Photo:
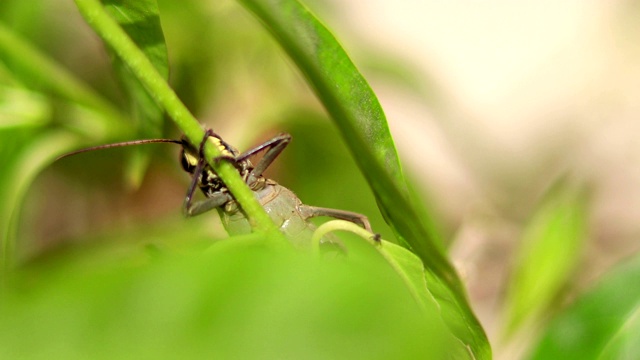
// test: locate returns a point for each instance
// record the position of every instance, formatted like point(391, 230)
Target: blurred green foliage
point(55, 109)
point(549, 251)
point(95, 268)
point(601, 324)
point(238, 300)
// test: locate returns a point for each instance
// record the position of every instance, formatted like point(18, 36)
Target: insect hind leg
point(314, 211)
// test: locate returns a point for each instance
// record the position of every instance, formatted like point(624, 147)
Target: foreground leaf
point(409, 268)
point(240, 300)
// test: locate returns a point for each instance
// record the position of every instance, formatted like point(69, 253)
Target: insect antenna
point(124, 143)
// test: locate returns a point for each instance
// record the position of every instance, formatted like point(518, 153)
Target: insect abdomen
point(282, 205)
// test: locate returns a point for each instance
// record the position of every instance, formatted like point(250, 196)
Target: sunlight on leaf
point(21, 107)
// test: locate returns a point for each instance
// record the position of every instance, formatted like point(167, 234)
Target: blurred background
point(509, 97)
point(497, 108)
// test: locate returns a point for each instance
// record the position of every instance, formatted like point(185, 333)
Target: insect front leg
point(216, 200)
point(314, 211)
point(212, 201)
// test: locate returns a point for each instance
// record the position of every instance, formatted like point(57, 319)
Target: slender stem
point(96, 16)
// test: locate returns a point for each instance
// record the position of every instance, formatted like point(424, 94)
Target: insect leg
point(218, 199)
point(313, 211)
point(274, 146)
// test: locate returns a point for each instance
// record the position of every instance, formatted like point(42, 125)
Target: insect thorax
point(209, 181)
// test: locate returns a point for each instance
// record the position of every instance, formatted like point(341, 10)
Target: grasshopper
point(282, 205)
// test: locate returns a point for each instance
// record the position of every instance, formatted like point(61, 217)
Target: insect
point(282, 205)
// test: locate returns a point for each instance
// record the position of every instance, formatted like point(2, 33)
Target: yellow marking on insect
point(191, 160)
point(218, 143)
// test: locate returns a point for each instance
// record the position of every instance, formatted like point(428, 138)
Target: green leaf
point(354, 107)
point(336, 81)
point(411, 270)
point(24, 17)
point(20, 107)
point(39, 72)
point(550, 249)
point(625, 344)
point(240, 300)
point(141, 21)
point(603, 323)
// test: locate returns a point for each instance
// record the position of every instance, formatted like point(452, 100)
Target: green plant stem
point(96, 16)
point(339, 225)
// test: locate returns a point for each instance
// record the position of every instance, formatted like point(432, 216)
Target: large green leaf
point(356, 110)
point(601, 324)
point(239, 300)
point(335, 80)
